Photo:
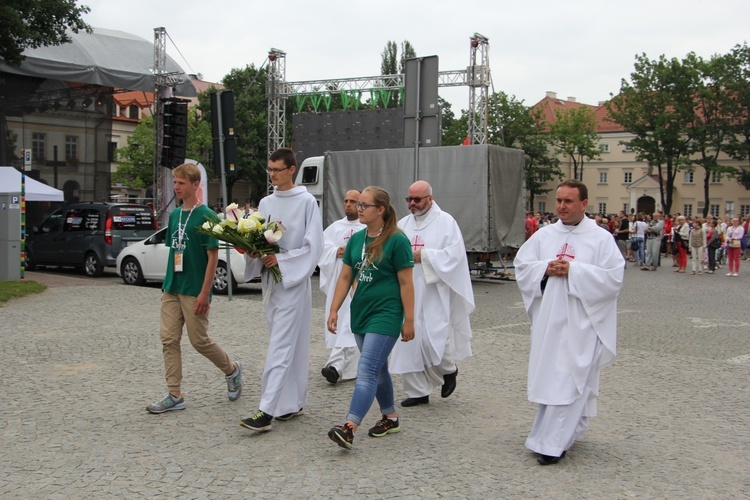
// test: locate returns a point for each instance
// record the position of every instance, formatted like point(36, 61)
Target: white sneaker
point(735, 274)
point(729, 274)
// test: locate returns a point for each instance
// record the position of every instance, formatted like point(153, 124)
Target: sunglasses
point(415, 199)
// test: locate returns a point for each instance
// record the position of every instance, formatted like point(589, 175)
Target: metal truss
point(276, 91)
point(479, 83)
point(476, 77)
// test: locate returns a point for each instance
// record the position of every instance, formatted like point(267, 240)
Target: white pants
point(420, 384)
point(345, 360)
point(696, 255)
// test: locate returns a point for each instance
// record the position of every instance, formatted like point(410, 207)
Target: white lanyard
point(181, 229)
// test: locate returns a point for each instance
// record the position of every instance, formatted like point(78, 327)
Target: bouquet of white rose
point(249, 232)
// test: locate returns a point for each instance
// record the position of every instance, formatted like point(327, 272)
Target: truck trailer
point(481, 186)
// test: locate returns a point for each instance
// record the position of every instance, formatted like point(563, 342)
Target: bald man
point(342, 363)
point(443, 300)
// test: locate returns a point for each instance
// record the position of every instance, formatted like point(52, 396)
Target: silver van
point(88, 236)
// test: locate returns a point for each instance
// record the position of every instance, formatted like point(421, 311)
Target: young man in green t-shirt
point(186, 296)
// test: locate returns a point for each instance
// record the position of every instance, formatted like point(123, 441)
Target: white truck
point(481, 186)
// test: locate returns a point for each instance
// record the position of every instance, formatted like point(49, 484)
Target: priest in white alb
point(342, 363)
point(443, 301)
point(288, 304)
point(570, 274)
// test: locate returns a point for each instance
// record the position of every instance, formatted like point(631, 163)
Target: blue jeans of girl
point(373, 379)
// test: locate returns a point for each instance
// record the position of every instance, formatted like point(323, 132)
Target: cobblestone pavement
point(79, 364)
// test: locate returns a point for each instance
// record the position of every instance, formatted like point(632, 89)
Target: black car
point(88, 236)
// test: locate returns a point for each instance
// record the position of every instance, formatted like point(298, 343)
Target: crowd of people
point(702, 244)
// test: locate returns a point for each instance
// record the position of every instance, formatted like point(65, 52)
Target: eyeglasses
point(276, 170)
point(365, 206)
point(415, 199)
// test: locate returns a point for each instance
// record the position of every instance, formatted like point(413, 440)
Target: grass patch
point(15, 289)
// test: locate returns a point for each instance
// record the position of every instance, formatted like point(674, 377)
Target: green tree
point(573, 135)
point(389, 59)
point(737, 85)
point(713, 129)
point(393, 64)
point(512, 124)
point(136, 168)
point(656, 106)
point(37, 23)
point(250, 125)
point(407, 52)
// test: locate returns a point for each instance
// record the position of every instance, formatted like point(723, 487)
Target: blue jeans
point(373, 378)
point(640, 254)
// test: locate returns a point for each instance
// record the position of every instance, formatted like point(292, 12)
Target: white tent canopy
point(10, 182)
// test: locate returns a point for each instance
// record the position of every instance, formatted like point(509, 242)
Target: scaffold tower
point(478, 75)
point(164, 83)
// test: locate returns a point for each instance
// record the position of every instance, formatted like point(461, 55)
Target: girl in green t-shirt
point(377, 271)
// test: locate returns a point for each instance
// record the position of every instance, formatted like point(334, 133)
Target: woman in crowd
point(680, 238)
point(668, 247)
point(735, 233)
point(377, 272)
point(697, 240)
point(713, 242)
point(639, 237)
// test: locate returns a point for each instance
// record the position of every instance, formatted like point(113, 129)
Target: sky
point(579, 48)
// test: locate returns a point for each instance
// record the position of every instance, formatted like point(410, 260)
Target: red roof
point(550, 104)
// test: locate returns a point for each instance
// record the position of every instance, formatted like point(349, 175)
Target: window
point(52, 223)
point(71, 147)
point(603, 208)
point(744, 210)
point(543, 207)
point(133, 111)
point(687, 210)
point(688, 179)
point(604, 147)
point(310, 174)
point(715, 176)
point(38, 146)
point(111, 151)
point(713, 210)
point(602, 177)
point(543, 177)
point(627, 148)
point(628, 177)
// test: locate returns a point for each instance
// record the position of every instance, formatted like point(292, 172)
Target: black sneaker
point(331, 374)
point(289, 415)
point(342, 435)
point(261, 421)
point(384, 426)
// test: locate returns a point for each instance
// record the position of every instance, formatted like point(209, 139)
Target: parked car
point(88, 235)
point(147, 261)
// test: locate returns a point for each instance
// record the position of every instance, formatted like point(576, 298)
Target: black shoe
point(342, 435)
point(548, 459)
point(415, 401)
point(331, 374)
point(289, 415)
point(261, 421)
point(449, 384)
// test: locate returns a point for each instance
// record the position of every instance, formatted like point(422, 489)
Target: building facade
point(618, 181)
